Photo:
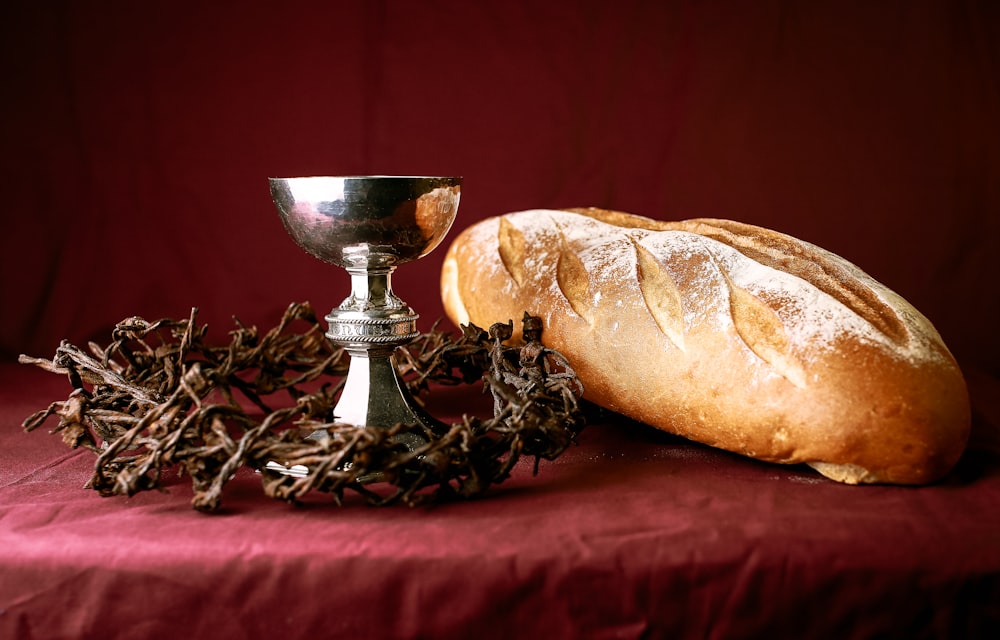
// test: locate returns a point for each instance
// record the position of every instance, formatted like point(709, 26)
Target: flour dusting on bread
point(809, 313)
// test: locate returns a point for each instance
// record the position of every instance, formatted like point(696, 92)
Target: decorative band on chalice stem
point(359, 332)
point(372, 313)
point(369, 225)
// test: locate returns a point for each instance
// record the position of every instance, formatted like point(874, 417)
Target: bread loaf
point(725, 333)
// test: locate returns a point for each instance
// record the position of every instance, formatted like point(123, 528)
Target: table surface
point(632, 533)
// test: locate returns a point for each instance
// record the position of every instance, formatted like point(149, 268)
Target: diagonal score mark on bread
point(760, 328)
point(659, 292)
point(510, 244)
point(572, 277)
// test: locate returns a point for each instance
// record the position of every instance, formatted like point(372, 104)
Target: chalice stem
point(372, 289)
point(370, 324)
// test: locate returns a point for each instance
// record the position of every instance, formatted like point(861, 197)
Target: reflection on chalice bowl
point(369, 225)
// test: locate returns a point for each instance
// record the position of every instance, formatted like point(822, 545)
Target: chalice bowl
point(369, 225)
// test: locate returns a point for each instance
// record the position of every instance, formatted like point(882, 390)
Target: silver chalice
point(369, 225)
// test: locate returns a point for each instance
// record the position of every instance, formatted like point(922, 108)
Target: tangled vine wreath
point(160, 398)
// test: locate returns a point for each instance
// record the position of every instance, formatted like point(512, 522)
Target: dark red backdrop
point(137, 140)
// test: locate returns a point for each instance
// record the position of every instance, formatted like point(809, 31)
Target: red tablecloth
point(633, 533)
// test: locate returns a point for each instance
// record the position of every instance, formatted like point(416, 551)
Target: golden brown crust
point(728, 334)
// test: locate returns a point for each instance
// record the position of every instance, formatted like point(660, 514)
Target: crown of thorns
point(160, 401)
